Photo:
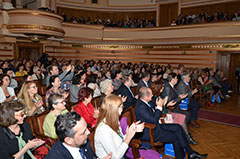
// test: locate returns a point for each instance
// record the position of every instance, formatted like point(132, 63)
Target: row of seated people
point(107, 88)
point(59, 106)
point(130, 23)
point(204, 17)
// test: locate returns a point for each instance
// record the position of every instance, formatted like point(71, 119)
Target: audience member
point(32, 101)
point(108, 135)
point(6, 93)
point(16, 139)
point(93, 84)
point(56, 104)
point(72, 132)
point(170, 133)
point(54, 88)
point(78, 82)
point(125, 91)
point(85, 108)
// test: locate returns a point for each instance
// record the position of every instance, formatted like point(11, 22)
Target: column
point(53, 5)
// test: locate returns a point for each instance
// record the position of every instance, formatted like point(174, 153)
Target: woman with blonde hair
point(109, 136)
point(29, 97)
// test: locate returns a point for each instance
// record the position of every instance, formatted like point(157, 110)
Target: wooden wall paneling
point(230, 8)
point(234, 62)
point(104, 15)
point(6, 51)
point(167, 12)
point(192, 58)
point(223, 62)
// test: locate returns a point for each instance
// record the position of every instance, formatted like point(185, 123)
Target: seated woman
point(6, 93)
point(78, 82)
point(54, 88)
point(29, 97)
point(117, 81)
point(108, 135)
point(92, 83)
point(106, 88)
point(16, 139)
point(20, 71)
point(85, 108)
point(56, 103)
point(37, 74)
point(157, 88)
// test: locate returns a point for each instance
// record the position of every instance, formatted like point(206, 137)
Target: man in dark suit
point(72, 132)
point(169, 133)
point(125, 90)
point(183, 87)
point(144, 81)
point(173, 95)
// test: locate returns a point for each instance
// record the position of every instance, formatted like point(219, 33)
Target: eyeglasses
point(34, 87)
point(21, 115)
point(62, 102)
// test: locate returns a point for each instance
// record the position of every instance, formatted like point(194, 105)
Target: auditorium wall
point(190, 58)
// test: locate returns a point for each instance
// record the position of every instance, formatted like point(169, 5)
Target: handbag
point(42, 151)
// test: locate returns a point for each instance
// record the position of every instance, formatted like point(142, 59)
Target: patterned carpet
point(221, 118)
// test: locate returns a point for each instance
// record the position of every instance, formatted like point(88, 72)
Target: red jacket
point(87, 113)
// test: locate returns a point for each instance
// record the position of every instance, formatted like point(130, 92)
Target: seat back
point(91, 139)
point(29, 120)
point(38, 122)
point(95, 101)
point(134, 90)
point(42, 90)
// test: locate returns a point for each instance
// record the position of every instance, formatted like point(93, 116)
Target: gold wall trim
point(210, 46)
point(69, 24)
point(35, 13)
point(40, 27)
point(72, 1)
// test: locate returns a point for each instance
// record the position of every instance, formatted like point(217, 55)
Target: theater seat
point(38, 122)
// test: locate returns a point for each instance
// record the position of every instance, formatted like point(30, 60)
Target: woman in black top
point(16, 140)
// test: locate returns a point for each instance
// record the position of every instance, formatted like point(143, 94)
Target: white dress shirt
point(74, 151)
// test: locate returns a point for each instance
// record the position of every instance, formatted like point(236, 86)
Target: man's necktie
point(82, 153)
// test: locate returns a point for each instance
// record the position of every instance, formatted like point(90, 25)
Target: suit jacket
point(124, 91)
point(183, 89)
point(141, 84)
point(59, 151)
point(146, 114)
point(171, 93)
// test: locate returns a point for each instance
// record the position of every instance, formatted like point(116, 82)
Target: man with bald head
point(168, 133)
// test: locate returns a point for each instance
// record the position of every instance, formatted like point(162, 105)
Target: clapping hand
point(172, 103)
point(124, 98)
point(182, 96)
point(159, 102)
point(34, 143)
point(195, 91)
point(107, 157)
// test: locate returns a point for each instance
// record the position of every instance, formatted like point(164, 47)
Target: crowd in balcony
point(158, 87)
point(130, 23)
point(204, 17)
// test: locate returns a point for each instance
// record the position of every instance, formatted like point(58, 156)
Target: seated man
point(169, 133)
point(183, 87)
point(125, 90)
point(144, 81)
point(72, 132)
point(173, 95)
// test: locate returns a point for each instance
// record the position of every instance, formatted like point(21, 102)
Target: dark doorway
point(227, 62)
point(29, 51)
point(235, 60)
